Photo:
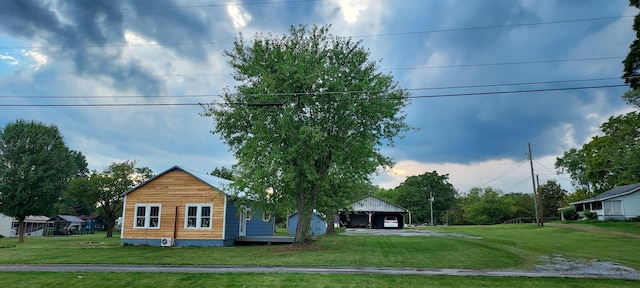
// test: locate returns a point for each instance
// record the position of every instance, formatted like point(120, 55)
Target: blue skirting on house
point(179, 242)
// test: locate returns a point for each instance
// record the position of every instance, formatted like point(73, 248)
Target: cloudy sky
point(122, 79)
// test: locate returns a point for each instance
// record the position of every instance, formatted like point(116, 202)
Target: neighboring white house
point(621, 203)
point(5, 225)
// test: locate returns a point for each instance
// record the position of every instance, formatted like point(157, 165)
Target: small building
point(6, 229)
point(64, 225)
point(318, 223)
point(34, 225)
point(183, 207)
point(619, 203)
point(370, 212)
point(92, 223)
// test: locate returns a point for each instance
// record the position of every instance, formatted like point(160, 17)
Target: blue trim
point(179, 242)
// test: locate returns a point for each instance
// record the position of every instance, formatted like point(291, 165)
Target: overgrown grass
point(96, 280)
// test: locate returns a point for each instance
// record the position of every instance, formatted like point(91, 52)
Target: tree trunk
point(304, 220)
point(21, 229)
point(331, 229)
point(109, 223)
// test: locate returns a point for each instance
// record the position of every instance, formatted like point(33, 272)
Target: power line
point(318, 93)
point(503, 175)
point(503, 63)
point(358, 36)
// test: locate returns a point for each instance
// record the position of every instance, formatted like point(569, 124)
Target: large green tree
point(487, 206)
point(613, 159)
point(105, 188)
point(551, 195)
point(631, 73)
point(414, 194)
point(309, 110)
point(35, 167)
point(573, 163)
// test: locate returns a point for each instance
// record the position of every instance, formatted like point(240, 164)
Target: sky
point(122, 79)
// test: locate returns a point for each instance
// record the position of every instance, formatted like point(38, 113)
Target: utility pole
point(533, 181)
point(540, 210)
point(431, 206)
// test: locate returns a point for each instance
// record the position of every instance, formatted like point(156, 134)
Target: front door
point(243, 222)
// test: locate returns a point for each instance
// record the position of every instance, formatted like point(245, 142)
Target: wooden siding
point(174, 190)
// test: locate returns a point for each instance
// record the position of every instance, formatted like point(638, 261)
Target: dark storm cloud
point(482, 127)
point(92, 35)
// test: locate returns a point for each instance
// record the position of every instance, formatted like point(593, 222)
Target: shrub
point(570, 214)
point(590, 215)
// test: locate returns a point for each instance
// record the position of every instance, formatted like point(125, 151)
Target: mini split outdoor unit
point(166, 242)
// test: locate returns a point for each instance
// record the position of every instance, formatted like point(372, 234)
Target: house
point(64, 225)
point(92, 223)
point(6, 228)
point(183, 207)
point(318, 223)
point(33, 226)
point(619, 203)
point(370, 212)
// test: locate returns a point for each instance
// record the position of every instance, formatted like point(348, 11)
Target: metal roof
point(68, 218)
point(217, 183)
point(374, 204)
point(613, 193)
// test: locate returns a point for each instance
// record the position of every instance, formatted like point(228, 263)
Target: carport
point(369, 212)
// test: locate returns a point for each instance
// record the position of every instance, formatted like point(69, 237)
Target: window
point(266, 217)
point(147, 216)
point(613, 208)
point(198, 216)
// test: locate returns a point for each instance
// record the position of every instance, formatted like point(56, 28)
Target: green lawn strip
point(626, 227)
point(510, 247)
point(530, 242)
point(96, 280)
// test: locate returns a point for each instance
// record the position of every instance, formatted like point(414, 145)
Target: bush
point(570, 214)
point(590, 215)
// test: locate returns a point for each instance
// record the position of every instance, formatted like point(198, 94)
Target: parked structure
point(620, 203)
point(183, 207)
point(64, 225)
point(370, 212)
point(318, 223)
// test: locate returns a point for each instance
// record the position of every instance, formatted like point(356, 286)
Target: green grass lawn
point(509, 247)
point(627, 227)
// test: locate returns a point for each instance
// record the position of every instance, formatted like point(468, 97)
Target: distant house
point(183, 207)
point(64, 225)
point(6, 229)
point(618, 203)
point(33, 226)
point(92, 223)
point(318, 223)
point(370, 212)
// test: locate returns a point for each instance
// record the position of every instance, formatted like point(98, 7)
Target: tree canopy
point(631, 63)
point(105, 188)
point(414, 194)
point(310, 111)
point(35, 167)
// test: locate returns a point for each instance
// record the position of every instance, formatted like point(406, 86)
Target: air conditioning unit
point(166, 242)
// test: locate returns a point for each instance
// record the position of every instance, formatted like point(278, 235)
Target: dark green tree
point(523, 205)
point(414, 194)
point(573, 163)
point(612, 159)
point(551, 195)
point(35, 167)
point(310, 110)
point(487, 206)
point(105, 188)
point(631, 73)
point(223, 172)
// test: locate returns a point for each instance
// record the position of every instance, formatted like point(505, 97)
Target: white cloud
point(37, 57)
point(239, 16)
point(351, 9)
point(505, 174)
point(10, 59)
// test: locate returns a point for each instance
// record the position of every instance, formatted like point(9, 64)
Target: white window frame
point(147, 216)
point(198, 216)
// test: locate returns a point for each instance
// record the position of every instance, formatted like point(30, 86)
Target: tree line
point(40, 175)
